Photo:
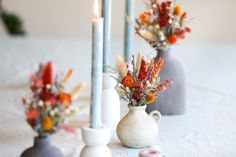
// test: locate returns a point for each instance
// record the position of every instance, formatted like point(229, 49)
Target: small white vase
point(138, 129)
point(110, 102)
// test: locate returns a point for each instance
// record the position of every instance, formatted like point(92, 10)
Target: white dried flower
point(52, 113)
point(147, 35)
point(121, 66)
point(161, 35)
point(148, 84)
point(40, 103)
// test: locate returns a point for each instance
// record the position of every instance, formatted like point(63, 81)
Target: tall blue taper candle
point(97, 57)
point(129, 29)
point(106, 14)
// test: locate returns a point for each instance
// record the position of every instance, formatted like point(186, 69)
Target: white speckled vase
point(138, 129)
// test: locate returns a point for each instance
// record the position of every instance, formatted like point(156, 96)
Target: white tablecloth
point(207, 129)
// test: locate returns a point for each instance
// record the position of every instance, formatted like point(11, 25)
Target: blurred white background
point(214, 22)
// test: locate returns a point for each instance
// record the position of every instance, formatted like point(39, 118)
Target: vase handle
point(155, 115)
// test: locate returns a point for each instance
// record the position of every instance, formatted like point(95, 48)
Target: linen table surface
point(208, 128)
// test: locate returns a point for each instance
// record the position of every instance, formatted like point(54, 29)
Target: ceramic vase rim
point(136, 107)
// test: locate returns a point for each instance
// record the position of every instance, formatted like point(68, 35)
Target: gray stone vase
point(42, 148)
point(172, 100)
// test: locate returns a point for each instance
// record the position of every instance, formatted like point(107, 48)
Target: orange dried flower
point(31, 117)
point(177, 10)
point(145, 18)
point(64, 99)
point(32, 114)
point(47, 124)
point(150, 98)
point(172, 39)
point(128, 81)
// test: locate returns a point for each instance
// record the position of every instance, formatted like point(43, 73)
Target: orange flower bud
point(47, 124)
point(183, 16)
point(187, 29)
point(150, 99)
point(64, 99)
point(177, 10)
point(172, 39)
point(145, 18)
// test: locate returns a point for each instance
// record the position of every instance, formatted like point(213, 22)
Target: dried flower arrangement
point(163, 24)
point(140, 85)
point(48, 105)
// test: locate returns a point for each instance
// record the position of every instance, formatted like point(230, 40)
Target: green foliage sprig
point(12, 22)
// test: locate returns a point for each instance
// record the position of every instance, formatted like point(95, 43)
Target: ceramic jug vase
point(138, 129)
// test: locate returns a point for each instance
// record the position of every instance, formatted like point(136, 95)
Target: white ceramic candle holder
point(110, 102)
point(96, 141)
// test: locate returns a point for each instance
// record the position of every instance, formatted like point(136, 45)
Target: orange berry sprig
point(157, 70)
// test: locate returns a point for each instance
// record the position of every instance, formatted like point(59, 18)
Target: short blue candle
point(129, 29)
